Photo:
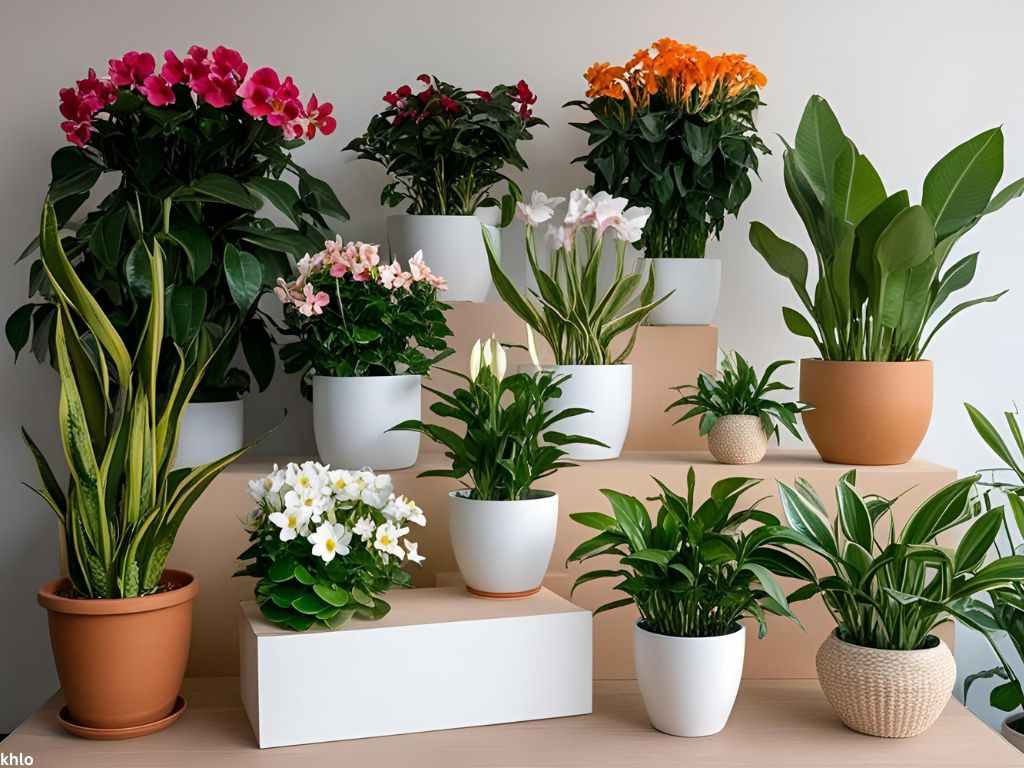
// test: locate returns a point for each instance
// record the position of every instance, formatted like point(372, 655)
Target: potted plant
point(883, 670)
point(365, 332)
point(673, 130)
point(1003, 615)
point(693, 575)
point(444, 149)
point(883, 275)
point(214, 139)
point(120, 622)
point(326, 544)
point(735, 412)
point(580, 319)
point(502, 527)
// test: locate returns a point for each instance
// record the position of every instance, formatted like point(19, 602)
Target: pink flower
point(173, 71)
point(421, 273)
point(392, 276)
point(258, 90)
point(319, 116)
point(397, 98)
point(214, 79)
point(227, 62)
point(362, 258)
point(313, 303)
point(131, 69)
point(449, 104)
point(103, 90)
point(158, 91)
point(77, 133)
point(78, 108)
point(266, 95)
point(339, 269)
point(290, 293)
point(437, 282)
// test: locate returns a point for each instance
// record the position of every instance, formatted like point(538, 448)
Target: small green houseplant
point(735, 411)
point(693, 570)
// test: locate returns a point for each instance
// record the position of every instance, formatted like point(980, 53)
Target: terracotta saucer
point(502, 595)
point(113, 734)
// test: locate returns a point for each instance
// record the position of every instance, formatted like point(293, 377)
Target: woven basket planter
point(738, 439)
point(894, 694)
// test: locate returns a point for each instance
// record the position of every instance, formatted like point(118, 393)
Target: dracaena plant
point(890, 587)
point(882, 263)
point(577, 317)
point(673, 130)
point(216, 140)
point(697, 567)
point(508, 442)
point(738, 391)
point(445, 147)
point(124, 502)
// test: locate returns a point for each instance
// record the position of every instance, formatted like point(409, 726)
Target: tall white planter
point(209, 431)
point(607, 390)
point(696, 285)
point(453, 247)
point(352, 416)
point(689, 684)
point(503, 547)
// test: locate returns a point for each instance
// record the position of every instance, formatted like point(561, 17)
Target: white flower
point(540, 209)
point(487, 354)
point(474, 360)
point(268, 484)
point(608, 211)
point(561, 236)
point(309, 477)
point(581, 209)
point(340, 481)
point(412, 552)
point(364, 528)
point(387, 539)
point(292, 522)
point(330, 539)
point(402, 508)
point(313, 504)
point(531, 345)
point(630, 226)
point(375, 490)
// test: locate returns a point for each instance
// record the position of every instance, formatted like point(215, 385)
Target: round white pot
point(689, 684)
point(352, 416)
point(696, 285)
point(738, 439)
point(607, 390)
point(208, 432)
point(503, 547)
point(1011, 734)
point(453, 247)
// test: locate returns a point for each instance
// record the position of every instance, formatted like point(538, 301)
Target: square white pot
point(440, 659)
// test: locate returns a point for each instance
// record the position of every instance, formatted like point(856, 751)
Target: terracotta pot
point(886, 693)
point(1010, 732)
point(866, 413)
point(738, 439)
point(121, 661)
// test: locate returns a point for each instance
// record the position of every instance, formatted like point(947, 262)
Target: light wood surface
point(774, 724)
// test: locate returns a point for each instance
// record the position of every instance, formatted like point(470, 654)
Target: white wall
point(908, 80)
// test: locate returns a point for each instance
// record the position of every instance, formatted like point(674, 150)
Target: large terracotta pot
point(121, 662)
point(866, 413)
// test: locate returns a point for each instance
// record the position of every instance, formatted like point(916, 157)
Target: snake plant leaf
point(959, 187)
point(49, 480)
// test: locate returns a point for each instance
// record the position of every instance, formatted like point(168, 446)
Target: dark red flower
point(449, 104)
point(484, 95)
point(425, 79)
point(131, 69)
point(319, 116)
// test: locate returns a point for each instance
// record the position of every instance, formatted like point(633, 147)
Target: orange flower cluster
point(683, 74)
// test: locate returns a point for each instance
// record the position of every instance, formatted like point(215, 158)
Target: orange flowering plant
point(673, 130)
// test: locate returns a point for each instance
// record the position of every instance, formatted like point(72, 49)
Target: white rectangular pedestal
point(440, 659)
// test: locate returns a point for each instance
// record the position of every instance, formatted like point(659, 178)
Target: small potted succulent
point(673, 130)
point(444, 149)
point(196, 145)
point(502, 527)
point(579, 319)
point(882, 278)
point(120, 621)
point(693, 575)
point(365, 332)
point(735, 412)
point(883, 670)
point(326, 544)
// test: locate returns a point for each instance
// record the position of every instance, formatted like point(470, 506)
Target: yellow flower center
point(385, 541)
point(329, 545)
point(292, 521)
point(308, 502)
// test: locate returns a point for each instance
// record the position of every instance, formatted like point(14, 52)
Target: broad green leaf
point(279, 194)
point(944, 509)
point(218, 188)
point(1006, 194)
point(334, 596)
point(631, 516)
point(185, 308)
point(195, 241)
point(958, 188)
point(783, 257)
point(19, 327)
point(977, 541)
point(853, 516)
point(768, 582)
point(596, 520)
point(956, 277)
point(819, 141)
point(244, 275)
point(105, 241)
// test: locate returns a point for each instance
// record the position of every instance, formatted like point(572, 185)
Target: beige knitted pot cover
point(738, 439)
point(886, 693)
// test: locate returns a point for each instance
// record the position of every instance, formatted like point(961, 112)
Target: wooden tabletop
point(775, 723)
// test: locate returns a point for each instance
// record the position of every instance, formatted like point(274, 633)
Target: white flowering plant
point(327, 543)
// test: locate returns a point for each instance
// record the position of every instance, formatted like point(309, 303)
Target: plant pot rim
point(877, 363)
point(1013, 718)
point(682, 258)
point(739, 629)
point(437, 216)
point(370, 378)
point(931, 649)
point(535, 495)
point(185, 589)
point(738, 416)
point(216, 402)
point(588, 366)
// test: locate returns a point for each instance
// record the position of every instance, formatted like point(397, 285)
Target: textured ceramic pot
point(866, 413)
point(209, 431)
point(121, 662)
point(503, 547)
point(607, 391)
point(453, 247)
point(894, 694)
point(689, 684)
point(352, 416)
point(695, 285)
point(738, 439)
point(1011, 734)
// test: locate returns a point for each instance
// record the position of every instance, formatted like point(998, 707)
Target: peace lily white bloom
point(540, 209)
point(474, 360)
point(364, 528)
point(292, 522)
point(487, 354)
point(387, 539)
point(330, 539)
point(412, 552)
point(531, 346)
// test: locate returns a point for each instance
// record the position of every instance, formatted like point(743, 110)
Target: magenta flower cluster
point(217, 78)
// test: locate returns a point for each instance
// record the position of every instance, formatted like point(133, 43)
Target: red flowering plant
point(445, 147)
point(199, 145)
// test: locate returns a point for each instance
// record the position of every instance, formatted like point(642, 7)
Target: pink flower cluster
point(358, 260)
point(417, 107)
point(218, 78)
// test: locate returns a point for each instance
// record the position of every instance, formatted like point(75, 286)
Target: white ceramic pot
point(696, 285)
point(453, 247)
point(209, 431)
point(689, 684)
point(607, 390)
point(738, 439)
point(503, 547)
point(1011, 734)
point(352, 416)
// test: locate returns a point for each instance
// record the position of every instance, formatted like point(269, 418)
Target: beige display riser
point(212, 537)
